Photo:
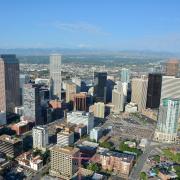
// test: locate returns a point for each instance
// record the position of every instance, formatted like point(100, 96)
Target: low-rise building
point(131, 107)
point(120, 163)
point(26, 159)
point(80, 117)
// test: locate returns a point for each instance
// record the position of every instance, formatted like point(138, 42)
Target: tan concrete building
point(63, 162)
point(99, 110)
point(80, 101)
point(119, 163)
point(139, 92)
point(9, 83)
point(71, 90)
point(172, 67)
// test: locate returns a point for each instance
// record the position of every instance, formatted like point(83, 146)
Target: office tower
point(2, 118)
point(99, 110)
point(118, 98)
point(23, 79)
point(55, 75)
point(80, 117)
point(80, 102)
point(139, 92)
point(71, 89)
point(170, 87)
point(32, 103)
point(96, 133)
point(65, 138)
point(172, 68)
point(125, 75)
point(77, 81)
point(109, 86)
point(154, 90)
point(100, 88)
point(10, 146)
point(167, 125)
point(9, 83)
point(64, 162)
point(40, 137)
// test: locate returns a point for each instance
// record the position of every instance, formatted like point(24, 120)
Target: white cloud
point(80, 27)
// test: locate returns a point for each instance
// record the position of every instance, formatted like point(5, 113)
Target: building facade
point(125, 75)
point(118, 98)
point(65, 138)
point(32, 103)
point(63, 162)
point(139, 92)
point(100, 79)
point(10, 146)
point(9, 83)
point(167, 125)
point(99, 110)
point(170, 87)
point(172, 67)
point(55, 75)
point(40, 137)
point(154, 91)
point(80, 117)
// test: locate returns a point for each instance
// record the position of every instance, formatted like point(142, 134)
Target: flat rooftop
point(66, 150)
point(9, 139)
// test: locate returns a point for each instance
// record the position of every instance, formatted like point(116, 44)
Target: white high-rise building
point(55, 75)
point(170, 87)
point(167, 126)
point(118, 97)
point(139, 92)
point(40, 137)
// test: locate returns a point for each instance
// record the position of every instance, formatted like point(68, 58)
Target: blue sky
point(99, 24)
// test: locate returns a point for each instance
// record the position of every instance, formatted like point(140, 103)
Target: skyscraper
point(80, 101)
point(100, 88)
point(32, 103)
point(172, 67)
point(118, 98)
point(139, 92)
point(154, 90)
point(55, 75)
point(170, 87)
point(9, 83)
point(125, 75)
point(167, 125)
point(40, 137)
point(64, 163)
point(99, 110)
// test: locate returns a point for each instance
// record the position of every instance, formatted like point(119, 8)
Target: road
point(140, 162)
point(142, 159)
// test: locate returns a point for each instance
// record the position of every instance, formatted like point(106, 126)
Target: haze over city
point(90, 90)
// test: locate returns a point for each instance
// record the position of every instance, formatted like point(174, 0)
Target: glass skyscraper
point(167, 125)
point(125, 75)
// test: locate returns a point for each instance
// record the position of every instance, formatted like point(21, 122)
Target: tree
point(94, 167)
point(106, 144)
point(143, 176)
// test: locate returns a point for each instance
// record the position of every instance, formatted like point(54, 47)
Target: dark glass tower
point(100, 79)
point(154, 90)
point(9, 83)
